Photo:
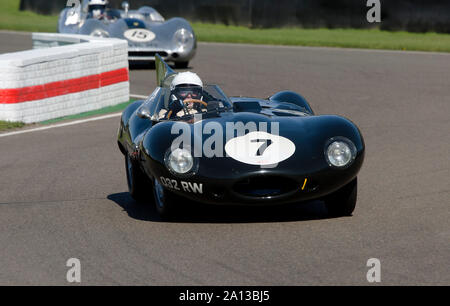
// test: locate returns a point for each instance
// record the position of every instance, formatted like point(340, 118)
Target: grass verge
point(5, 125)
point(344, 38)
point(103, 111)
point(13, 19)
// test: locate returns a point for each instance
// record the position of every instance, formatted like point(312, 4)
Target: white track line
point(60, 125)
point(69, 123)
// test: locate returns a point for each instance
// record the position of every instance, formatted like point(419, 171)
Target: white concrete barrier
point(64, 75)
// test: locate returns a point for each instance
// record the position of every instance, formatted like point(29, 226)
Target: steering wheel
point(190, 100)
point(195, 101)
point(186, 101)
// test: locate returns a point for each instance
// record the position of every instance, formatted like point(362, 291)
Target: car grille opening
point(147, 53)
point(265, 186)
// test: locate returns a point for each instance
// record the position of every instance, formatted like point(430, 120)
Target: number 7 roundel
point(260, 148)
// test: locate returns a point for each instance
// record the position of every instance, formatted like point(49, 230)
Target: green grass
point(13, 19)
point(4, 125)
point(345, 38)
point(105, 110)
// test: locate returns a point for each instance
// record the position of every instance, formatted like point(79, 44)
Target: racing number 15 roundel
point(139, 35)
point(260, 148)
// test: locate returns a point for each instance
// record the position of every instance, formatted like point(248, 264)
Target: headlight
point(340, 152)
point(179, 161)
point(184, 39)
point(99, 33)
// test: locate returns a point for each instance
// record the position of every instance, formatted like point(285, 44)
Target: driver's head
point(97, 8)
point(187, 85)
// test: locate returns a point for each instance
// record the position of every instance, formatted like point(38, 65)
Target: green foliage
point(4, 125)
point(11, 18)
point(344, 38)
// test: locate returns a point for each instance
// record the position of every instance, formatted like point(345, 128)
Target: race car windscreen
point(215, 93)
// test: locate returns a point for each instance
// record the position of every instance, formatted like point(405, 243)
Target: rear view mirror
point(144, 113)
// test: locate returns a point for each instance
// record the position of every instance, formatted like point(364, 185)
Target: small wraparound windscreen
point(158, 102)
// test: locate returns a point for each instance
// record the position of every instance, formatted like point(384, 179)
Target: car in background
point(146, 31)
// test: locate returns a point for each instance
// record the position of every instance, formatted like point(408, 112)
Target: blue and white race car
point(145, 30)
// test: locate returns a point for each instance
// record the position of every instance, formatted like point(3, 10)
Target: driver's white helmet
point(97, 7)
point(98, 2)
point(186, 78)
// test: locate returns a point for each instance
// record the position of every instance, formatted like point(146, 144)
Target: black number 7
point(265, 144)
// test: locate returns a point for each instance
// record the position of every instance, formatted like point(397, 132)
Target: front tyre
point(165, 201)
point(138, 184)
point(342, 202)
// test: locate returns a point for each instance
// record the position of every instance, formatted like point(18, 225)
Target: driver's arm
point(175, 105)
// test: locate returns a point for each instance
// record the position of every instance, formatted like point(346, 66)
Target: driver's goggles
point(193, 93)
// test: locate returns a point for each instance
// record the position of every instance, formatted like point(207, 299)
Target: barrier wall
point(63, 75)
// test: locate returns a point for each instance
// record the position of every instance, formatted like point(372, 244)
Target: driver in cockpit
point(186, 95)
point(97, 9)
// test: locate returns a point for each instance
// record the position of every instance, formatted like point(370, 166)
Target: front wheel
point(139, 185)
point(343, 202)
point(165, 201)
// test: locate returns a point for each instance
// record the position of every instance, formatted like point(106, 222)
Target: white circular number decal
point(260, 148)
point(139, 35)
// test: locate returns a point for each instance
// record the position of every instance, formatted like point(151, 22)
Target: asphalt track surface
point(63, 192)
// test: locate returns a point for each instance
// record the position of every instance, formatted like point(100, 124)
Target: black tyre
point(139, 185)
point(165, 201)
point(342, 202)
point(181, 65)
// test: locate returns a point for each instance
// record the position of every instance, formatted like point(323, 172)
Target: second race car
point(145, 30)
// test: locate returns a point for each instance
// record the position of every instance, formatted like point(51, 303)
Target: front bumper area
point(257, 190)
point(148, 54)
